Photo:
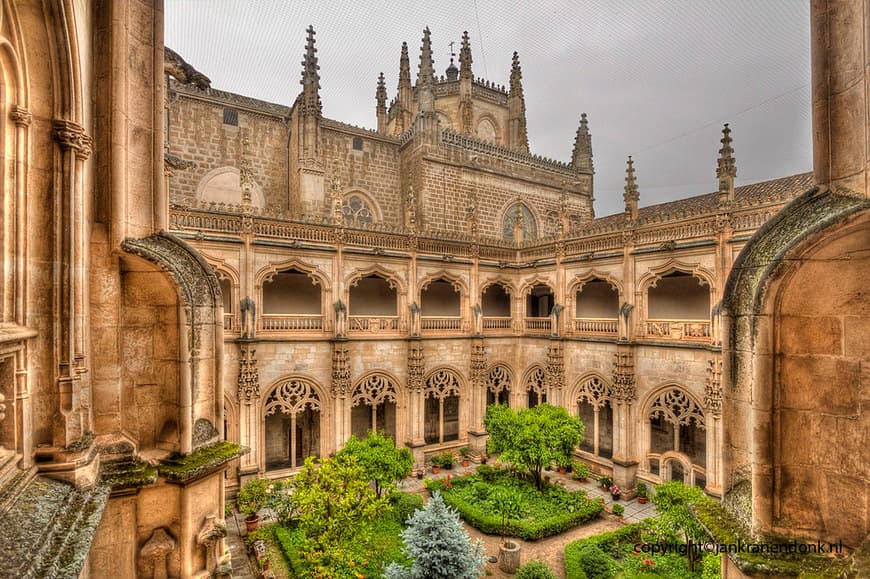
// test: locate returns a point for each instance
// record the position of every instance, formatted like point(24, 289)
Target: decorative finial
point(310, 75)
point(404, 67)
point(631, 196)
point(516, 75)
point(465, 57)
point(452, 71)
point(381, 92)
point(582, 155)
point(727, 165)
point(426, 70)
point(246, 175)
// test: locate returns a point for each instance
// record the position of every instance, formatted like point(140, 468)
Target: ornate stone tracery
point(536, 381)
point(249, 375)
point(292, 397)
point(499, 379)
point(675, 406)
point(374, 390)
point(441, 384)
point(713, 388)
point(594, 391)
point(623, 377)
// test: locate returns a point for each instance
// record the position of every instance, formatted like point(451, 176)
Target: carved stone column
point(713, 405)
point(209, 538)
point(415, 399)
point(249, 408)
point(555, 373)
point(476, 432)
point(341, 391)
point(624, 394)
point(155, 553)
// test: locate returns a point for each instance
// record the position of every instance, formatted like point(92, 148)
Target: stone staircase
point(46, 526)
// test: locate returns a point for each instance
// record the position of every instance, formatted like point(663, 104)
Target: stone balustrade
point(595, 326)
point(688, 330)
point(291, 323)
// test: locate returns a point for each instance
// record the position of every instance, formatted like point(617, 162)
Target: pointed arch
point(674, 403)
point(443, 392)
point(359, 207)
point(529, 285)
point(581, 279)
point(295, 421)
point(391, 277)
point(267, 273)
point(456, 281)
point(530, 220)
point(696, 270)
point(534, 385)
point(499, 383)
point(591, 399)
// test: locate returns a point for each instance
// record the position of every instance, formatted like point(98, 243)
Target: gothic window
point(291, 292)
point(596, 411)
point(518, 216)
point(373, 405)
point(356, 211)
point(677, 424)
point(496, 301)
point(597, 299)
point(536, 387)
point(679, 296)
point(486, 130)
point(498, 386)
point(540, 301)
point(440, 298)
point(292, 414)
point(442, 407)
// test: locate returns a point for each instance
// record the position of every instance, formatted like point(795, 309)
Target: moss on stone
point(82, 444)
point(130, 473)
point(725, 530)
point(182, 468)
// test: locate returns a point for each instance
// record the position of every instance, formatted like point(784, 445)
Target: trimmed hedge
point(530, 530)
point(534, 570)
point(607, 542)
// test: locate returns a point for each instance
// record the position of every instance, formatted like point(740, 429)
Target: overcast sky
point(657, 78)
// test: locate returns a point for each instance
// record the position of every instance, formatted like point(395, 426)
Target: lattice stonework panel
point(676, 407)
point(292, 397)
point(594, 391)
point(537, 381)
point(499, 379)
point(441, 384)
point(374, 390)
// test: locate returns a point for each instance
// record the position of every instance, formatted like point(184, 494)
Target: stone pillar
point(341, 391)
point(841, 81)
point(555, 373)
point(249, 408)
point(714, 442)
point(624, 394)
point(156, 552)
point(416, 406)
point(476, 432)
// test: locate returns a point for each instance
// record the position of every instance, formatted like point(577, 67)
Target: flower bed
point(544, 513)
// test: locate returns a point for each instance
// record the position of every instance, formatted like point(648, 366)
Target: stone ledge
point(183, 469)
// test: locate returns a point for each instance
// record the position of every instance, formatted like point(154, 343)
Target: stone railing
point(230, 323)
point(499, 152)
point(595, 326)
point(688, 330)
point(441, 323)
point(373, 324)
point(497, 324)
point(291, 323)
point(537, 325)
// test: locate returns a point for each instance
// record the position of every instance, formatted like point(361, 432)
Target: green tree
point(334, 501)
point(438, 546)
point(533, 438)
point(673, 501)
point(383, 463)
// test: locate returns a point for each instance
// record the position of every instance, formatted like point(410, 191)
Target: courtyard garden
point(345, 517)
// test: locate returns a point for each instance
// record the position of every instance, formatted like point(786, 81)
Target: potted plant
point(564, 463)
point(642, 492)
point(252, 497)
point(581, 471)
point(605, 481)
point(447, 460)
point(484, 458)
point(615, 492)
point(464, 451)
point(617, 510)
point(437, 461)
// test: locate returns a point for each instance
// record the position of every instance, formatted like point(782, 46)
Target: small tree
point(532, 438)
point(673, 501)
point(252, 497)
point(508, 503)
point(438, 546)
point(382, 462)
point(334, 500)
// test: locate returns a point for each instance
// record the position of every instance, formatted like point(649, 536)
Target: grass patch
point(550, 511)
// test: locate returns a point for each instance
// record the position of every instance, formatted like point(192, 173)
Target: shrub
point(618, 510)
point(404, 505)
point(381, 460)
point(595, 563)
point(605, 481)
point(281, 501)
point(488, 473)
point(581, 470)
point(534, 570)
point(712, 567)
point(642, 490)
point(252, 497)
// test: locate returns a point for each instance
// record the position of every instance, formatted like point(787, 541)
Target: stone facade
point(400, 329)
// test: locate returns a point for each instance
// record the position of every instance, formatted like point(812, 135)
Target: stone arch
point(317, 276)
point(490, 126)
point(674, 421)
point(530, 217)
point(456, 281)
point(591, 400)
point(499, 383)
point(392, 278)
point(536, 281)
point(444, 392)
point(508, 285)
point(380, 392)
point(534, 386)
point(654, 274)
point(304, 403)
point(198, 290)
point(793, 304)
point(582, 279)
point(223, 185)
point(351, 212)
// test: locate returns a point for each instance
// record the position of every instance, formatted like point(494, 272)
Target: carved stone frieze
point(713, 388)
point(555, 366)
point(340, 369)
point(249, 375)
point(415, 365)
point(21, 116)
point(72, 136)
point(624, 388)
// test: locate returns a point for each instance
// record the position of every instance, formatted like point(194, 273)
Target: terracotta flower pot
point(251, 523)
point(436, 469)
point(642, 500)
point(465, 462)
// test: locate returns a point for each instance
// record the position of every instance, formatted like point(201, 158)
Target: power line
point(480, 40)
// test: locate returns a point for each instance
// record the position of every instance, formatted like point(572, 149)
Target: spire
point(381, 108)
point(310, 77)
point(426, 70)
point(582, 156)
point(631, 195)
point(726, 170)
point(404, 68)
point(426, 75)
point(517, 136)
point(465, 57)
point(246, 175)
point(516, 76)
